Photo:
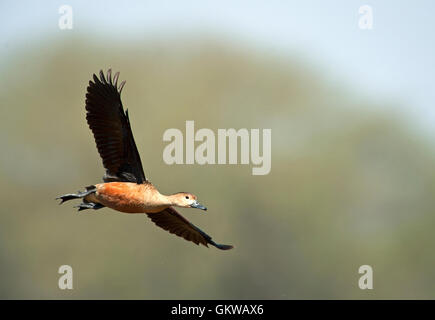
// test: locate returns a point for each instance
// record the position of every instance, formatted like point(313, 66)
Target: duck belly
point(127, 197)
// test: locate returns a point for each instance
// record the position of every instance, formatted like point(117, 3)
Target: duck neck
point(157, 197)
point(170, 199)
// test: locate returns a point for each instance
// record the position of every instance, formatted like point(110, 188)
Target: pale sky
point(396, 59)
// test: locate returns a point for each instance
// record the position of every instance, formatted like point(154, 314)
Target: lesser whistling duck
point(125, 187)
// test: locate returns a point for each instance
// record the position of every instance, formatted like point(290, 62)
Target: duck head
point(186, 200)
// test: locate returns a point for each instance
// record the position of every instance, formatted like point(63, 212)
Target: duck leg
point(78, 195)
point(89, 205)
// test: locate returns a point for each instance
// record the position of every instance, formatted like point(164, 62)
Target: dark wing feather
point(170, 220)
point(112, 131)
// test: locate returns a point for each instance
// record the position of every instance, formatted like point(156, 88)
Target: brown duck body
point(129, 197)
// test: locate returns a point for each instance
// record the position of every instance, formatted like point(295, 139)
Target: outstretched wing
point(112, 132)
point(170, 220)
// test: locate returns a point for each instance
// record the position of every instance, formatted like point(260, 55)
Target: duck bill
point(197, 205)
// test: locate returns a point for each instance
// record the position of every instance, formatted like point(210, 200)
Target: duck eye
point(187, 197)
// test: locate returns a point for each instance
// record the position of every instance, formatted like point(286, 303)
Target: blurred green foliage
point(350, 184)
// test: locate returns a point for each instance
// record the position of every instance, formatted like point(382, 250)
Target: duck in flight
point(125, 186)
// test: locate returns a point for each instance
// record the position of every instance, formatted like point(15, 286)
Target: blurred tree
point(349, 185)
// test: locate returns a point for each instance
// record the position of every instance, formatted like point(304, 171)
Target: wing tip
point(102, 78)
point(107, 80)
point(223, 246)
point(121, 86)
